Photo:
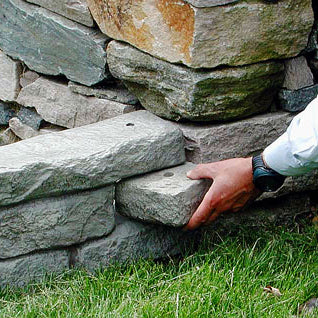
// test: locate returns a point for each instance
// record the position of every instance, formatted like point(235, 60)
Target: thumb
point(202, 171)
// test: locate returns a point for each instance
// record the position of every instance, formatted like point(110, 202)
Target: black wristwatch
point(265, 178)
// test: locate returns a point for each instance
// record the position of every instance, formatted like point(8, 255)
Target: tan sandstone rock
point(210, 34)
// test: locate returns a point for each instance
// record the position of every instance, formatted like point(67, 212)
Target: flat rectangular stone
point(76, 10)
point(166, 196)
point(131, 241)
point(57, 104)
point(57, 221)
point(207, 143)
point(18, 272)
point(51, 44)
point(88, 157)
point(201, 35)
point(10, 72)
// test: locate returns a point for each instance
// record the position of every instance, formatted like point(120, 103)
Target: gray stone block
point(296, 101)
point(58, 105)
point(207, 143)
point(50, 44)
point(131, 241)
point(22, 130)
point(28, 78)
point(116, 93)
point(165, 196)
point(88, 157)
point(75, 10)
point(297, 74)
point(57, 221)
point(175, 91)
point(10, 72)
point(6, 113)
point(30, 117)
point(18, 272)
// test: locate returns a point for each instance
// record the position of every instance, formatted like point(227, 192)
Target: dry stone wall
point(106, 104)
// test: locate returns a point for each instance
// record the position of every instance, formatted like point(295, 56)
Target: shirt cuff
point(278, 156)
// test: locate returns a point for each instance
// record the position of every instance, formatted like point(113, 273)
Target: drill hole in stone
point(130, 124)
point(168, 174)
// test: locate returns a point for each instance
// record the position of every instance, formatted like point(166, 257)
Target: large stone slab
point(50, 44)
point(10, 72)
point(166, 196)
point(75, 10)
point(207, 143)
point(296, 101)
point(131, 241)
point(207, 36)
point(58, 105)
point(57, 221)
point(88, 157)
point(18, 272)
point(174, 91)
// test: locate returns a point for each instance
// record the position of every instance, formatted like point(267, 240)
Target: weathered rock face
point(207, 143)
point(30, 117)
point(22, 130)
point(296, 101)
point(175, 92)
point(7, 137)
point(28, 78)
point(116, 93)
point(88, 157)
point(10, 72)
point(50, 44)
point(6, 113)
point(297, 74)
point(58, 105)
point(20, 271)
point(177, 31)
point(130, 241)
point(75, 10)
point(57, 221)
point(166, 196)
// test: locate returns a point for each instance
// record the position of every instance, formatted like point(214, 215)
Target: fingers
point(202, 171)
point(203, 212)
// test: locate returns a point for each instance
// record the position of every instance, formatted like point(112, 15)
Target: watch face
point(268, 183)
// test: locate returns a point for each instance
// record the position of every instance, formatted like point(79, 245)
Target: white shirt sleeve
point(296, 151)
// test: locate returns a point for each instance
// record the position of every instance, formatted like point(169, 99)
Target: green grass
point(224, 278)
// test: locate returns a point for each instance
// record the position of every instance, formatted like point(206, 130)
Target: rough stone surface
point(88, 157)
point(75, 10)
point(50, 44)
point(30, 117)
point(22, 130)
point(9, 78)
point(295, 101)
point(7, 137)
point(207, 37)
point(116, 93)
point(20, 271)
point(266, 213)
point(58, 221)
point(6, 113)
point(166, 196)
point(174, 91)
point(207, 143)
point(130, 241)
point(58, 105)
point(297, 74)
point(28, 78)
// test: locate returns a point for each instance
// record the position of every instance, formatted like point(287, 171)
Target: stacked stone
point(43, 49)
point(183, 61)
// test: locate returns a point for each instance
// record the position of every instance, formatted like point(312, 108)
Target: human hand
point(231, 190)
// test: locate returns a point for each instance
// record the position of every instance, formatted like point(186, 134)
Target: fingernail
point(188, 173)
